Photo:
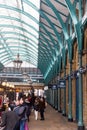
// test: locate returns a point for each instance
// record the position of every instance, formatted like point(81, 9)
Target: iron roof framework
point(18, 31)
point(60, 20)
point(41, 47)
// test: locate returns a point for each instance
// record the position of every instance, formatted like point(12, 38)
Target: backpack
point(21, 110)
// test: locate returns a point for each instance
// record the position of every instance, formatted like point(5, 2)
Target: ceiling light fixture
point(17, 63)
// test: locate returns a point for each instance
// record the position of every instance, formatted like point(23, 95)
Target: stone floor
point(53, 121)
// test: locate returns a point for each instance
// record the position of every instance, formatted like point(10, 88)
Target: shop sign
point(54, 87)
point(82, 69)
point(62, 83)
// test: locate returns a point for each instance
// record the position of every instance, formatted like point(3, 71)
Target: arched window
point(76, 55)
point(74, 49)
point(61, 63)
point(84, 6)
point(66, 57)
point(85, 39)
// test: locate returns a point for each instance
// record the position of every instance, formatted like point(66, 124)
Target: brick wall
point(85, 98)
point(74, 99)
point(75, 66)
point(84, 61)
point(62, 97)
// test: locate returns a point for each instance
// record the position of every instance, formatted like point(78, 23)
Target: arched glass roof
point(36, 29)
point(19, 27)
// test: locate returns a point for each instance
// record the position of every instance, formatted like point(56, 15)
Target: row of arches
point(72, 99)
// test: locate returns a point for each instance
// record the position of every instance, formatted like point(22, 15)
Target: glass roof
point(36, 29)
point(19, 31)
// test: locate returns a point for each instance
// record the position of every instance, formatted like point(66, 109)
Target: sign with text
point(62, 83)
point(82, 69)
point(54, 87)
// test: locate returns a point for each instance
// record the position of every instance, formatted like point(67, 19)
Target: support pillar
point(70, 96)
point(59, 99)
point(80, 118)
point(64, 98)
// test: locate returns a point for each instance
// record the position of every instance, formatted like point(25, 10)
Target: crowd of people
point(15, 115)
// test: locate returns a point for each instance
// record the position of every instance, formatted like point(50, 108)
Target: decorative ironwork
point(17, 63)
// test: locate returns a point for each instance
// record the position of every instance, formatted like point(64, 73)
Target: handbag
point(26, 126)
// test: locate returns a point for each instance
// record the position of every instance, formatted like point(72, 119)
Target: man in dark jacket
point(42, 107)
point(9, 119)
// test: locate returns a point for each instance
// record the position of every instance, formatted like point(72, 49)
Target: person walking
point(23, 113)
point(8, 120)
point(16, 110)
point(42, 107)
point(36, 108)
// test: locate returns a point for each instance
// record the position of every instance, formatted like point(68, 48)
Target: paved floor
point(53, 121)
